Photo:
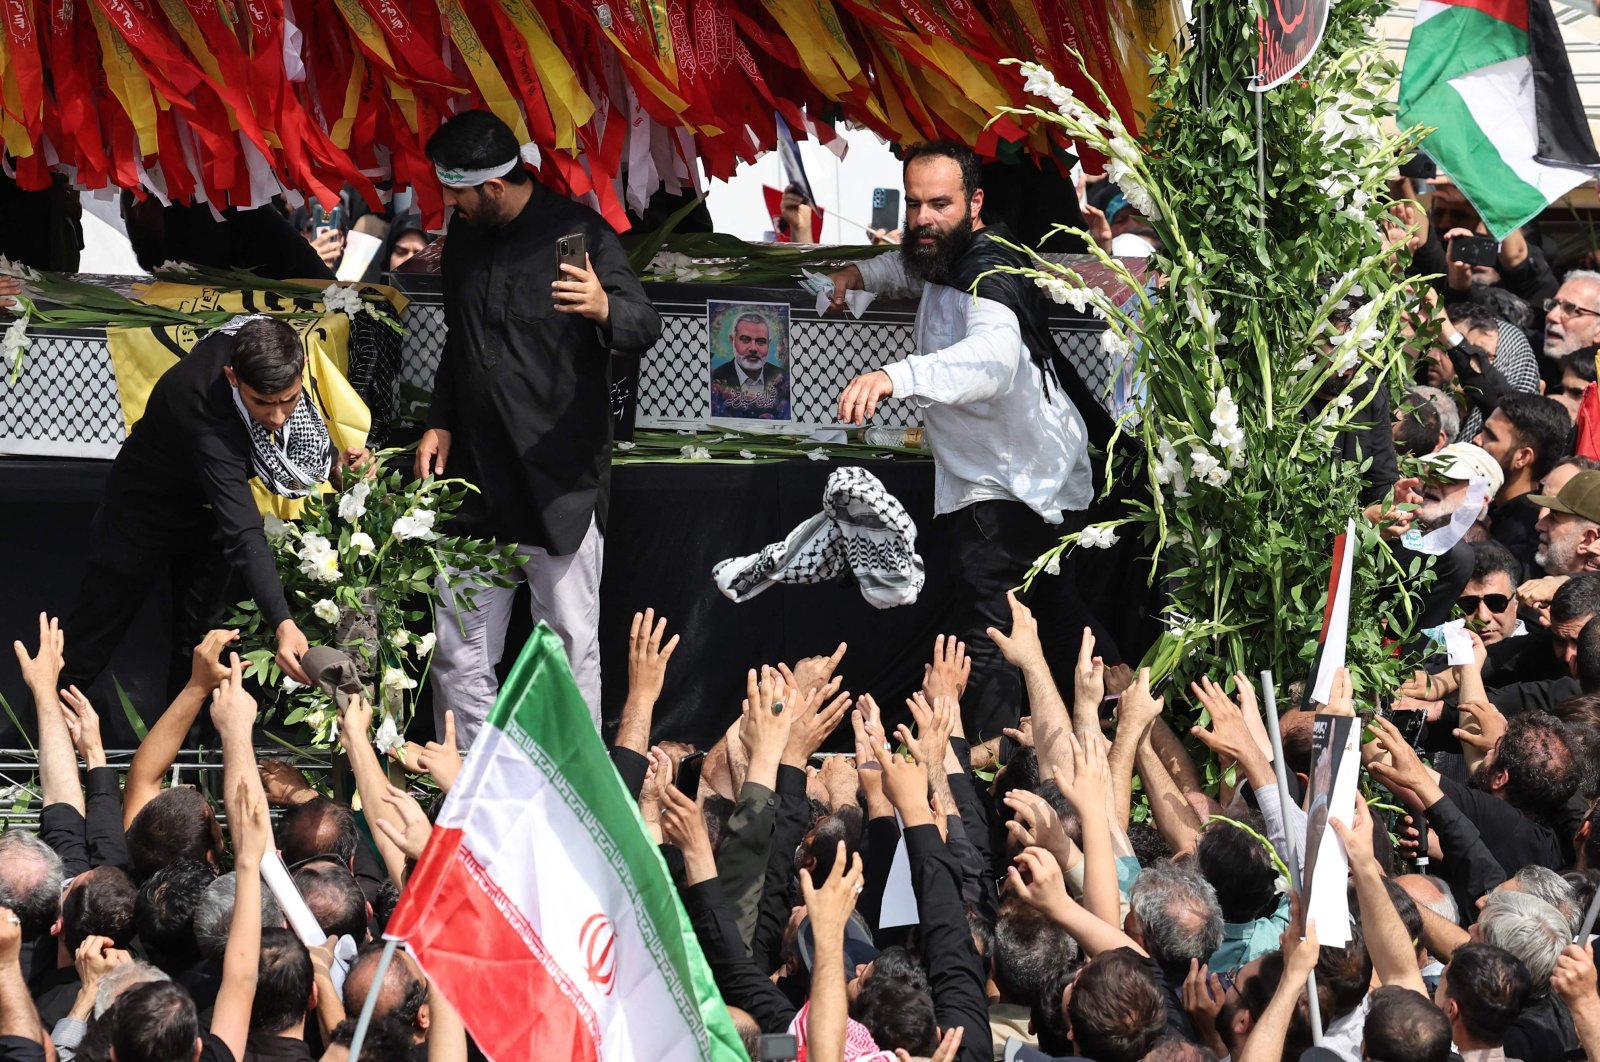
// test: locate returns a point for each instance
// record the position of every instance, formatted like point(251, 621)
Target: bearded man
point(1009, 421)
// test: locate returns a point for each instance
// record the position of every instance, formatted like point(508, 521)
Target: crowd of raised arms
point(1045, 919)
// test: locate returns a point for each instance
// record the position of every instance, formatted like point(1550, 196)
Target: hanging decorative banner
point(234, 104)
point(1289, 37)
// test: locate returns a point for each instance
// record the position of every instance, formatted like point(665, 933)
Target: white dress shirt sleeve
point(975, 368)
point(886, 275)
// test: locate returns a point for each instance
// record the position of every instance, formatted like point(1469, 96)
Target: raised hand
point(207, 671)
point(1229, 736)
point(814, 671)
point(1403, 769)
point(408, 826)
point(1139, 707)
point(947, 676)
point(355, 722)
point(1089, 786)
point(949, 1046)
point(1034, 877)
point(284, 783)
point(906, 785)
point(1489, 726)
point(647, 656)
point(682, 824)
point(42, 670)
point(816, 715)
point(83, 723)
point(232, 709)
point(249, 825)
point(830, 904)
point(1088, 677)
point(1341, 696)
point(1036, 825)
point(1021, 648)
point(935, 722)
point(1022, 733)
point(441, 760)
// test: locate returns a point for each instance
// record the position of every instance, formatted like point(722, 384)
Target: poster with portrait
point(749, 376)
point(1335, 767)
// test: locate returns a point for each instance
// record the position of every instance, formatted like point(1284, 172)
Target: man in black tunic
point(521, 403)
point(179, 496)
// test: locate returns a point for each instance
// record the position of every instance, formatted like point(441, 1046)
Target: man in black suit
point(749, 385)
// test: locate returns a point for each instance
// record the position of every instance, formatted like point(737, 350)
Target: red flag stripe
point(1333, 588)
point(1513, 11)
point(486, 959)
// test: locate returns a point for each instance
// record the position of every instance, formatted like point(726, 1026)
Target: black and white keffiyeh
point(299, 456)
point(862, 532)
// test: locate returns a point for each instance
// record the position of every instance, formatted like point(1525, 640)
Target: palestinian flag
point(1491, 77)
point(542, 910)
point(1334, 638)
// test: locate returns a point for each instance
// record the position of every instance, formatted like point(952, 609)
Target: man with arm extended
point(1008, 419)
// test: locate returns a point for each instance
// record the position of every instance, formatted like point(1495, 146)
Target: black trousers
point(994, 543)
point(123, 568)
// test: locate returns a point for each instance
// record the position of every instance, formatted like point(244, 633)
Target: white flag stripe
point(559, 887)
point(1501, 99)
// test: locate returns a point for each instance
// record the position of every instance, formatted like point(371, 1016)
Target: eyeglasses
point(1569, 309)
point(1496, 602)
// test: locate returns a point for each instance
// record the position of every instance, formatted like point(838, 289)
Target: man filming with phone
point(537, 293)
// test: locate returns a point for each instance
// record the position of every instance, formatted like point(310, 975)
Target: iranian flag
point(542, 910)
point(1492, 79)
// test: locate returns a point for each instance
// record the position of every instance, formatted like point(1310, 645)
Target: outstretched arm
point(160, 746)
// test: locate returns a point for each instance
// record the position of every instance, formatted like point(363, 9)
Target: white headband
point(527, 154)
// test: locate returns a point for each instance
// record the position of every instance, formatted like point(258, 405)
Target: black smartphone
point(1409, 722)
point(886, 209)
point(688, 780)
point(777, 1047)
point(573, 250)
point(1475, 250)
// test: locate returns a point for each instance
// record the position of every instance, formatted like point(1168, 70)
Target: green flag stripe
point(1503, 199)
point(1453, 42)
point(541, 710)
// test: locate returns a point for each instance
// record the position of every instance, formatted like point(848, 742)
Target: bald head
point(403, 994)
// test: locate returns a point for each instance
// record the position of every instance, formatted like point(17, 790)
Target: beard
point(932, 262)
point(1481, 776)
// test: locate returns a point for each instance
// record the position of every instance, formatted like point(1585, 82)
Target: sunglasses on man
point(1496, 602)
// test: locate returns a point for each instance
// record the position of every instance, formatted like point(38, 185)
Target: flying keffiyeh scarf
point(295, 459)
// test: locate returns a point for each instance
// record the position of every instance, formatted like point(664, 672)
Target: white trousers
point(565, 593)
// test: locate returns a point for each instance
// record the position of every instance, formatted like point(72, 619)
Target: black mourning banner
point(1289, 37)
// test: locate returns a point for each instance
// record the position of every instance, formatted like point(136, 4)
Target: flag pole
point(1588, 921)
point(372, 999)
point(1270, 696)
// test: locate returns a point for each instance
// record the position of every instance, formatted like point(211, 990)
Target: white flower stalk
point(1204, 466)
point(388, 738)
point(1226, 432)
point(1053, 565)
point(18, 270)
point(1114, 346)
point(416, 525)
point(396, 679)
point(15, 341)
point(326, 611)
point(362, 543)
point(695, 453)
point(400, 638)
point(1201, 311)
point(353, 502)
point(337, 298)
point(1063, 292)
point(1039, 81)
point(1169, 469)
point(673, 264)
point(1097, 536)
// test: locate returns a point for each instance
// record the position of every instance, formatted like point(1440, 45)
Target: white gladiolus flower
point(8, 268)
point(172, 265)
point(353, 502)
point(424, 644)
point(395, 678)
point(1203, 314)
point(274, 527)
point(1114, 345)
point(388, 736)
point(674, 264)
point(1053, 565)
point(416, 524)
point(1096, 537)
point(1168, 468)
point(15, 341)
point(346, 300)
point(747, 455)
point(819, 454)
point(326, 611)
point(695, 453)
point(624, 445)
point(1039, 81)
point(289, 685)
point(1227, 433)
point(362, 543)
point(400, 638)
point(1205, 467)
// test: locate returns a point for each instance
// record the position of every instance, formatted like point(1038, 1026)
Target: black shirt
point(1541, 696)
point(1511, 523)
point(267, 1047)
point(214, 1050)
point(188, 451)
point(524, 388)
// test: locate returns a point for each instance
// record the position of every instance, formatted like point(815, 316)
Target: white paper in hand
point(820, 285)
point(1455, 639)
point(899, 898)
point(276, 877)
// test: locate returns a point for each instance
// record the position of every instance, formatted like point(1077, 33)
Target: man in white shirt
point(1009, 422)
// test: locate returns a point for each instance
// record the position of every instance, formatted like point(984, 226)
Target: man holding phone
point(537, 293)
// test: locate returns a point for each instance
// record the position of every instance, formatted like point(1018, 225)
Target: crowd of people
point(1035, 865)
